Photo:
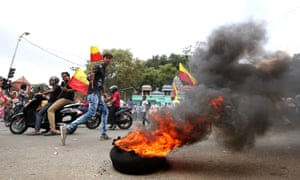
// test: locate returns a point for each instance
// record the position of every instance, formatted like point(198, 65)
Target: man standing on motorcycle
point(54, 93)
point(115, 105)
point(95, 99)
point(66, 97)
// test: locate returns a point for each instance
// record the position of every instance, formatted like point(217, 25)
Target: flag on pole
point(79, 82)
point(175, 95)
point(186, 76)
point(95, 54)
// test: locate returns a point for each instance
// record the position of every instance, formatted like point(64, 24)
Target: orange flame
point(168, 134)
point(217, 103)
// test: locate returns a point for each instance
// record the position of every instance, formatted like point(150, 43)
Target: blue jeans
point(144, 114)
point(39, 115)
point(94, 101)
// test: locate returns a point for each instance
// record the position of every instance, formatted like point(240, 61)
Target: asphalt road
point(275, 156)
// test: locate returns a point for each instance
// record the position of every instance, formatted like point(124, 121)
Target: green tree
point(150, 77)
point(158, 77)
point(167, 73)
point(175, 59)
point(157, 61)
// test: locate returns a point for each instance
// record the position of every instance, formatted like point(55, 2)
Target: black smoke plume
point(233, 64)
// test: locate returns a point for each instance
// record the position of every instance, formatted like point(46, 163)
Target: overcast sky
point(145, 27)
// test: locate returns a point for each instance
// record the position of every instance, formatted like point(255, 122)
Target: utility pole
point(12, 70)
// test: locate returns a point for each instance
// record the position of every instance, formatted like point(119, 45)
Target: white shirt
point(144, 105)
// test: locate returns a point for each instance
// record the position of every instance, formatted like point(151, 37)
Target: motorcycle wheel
point(125, 120)
point(93, 122)
point(18, 125)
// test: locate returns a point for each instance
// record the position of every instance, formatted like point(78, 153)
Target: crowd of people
point(12, 102)
point(144, 108)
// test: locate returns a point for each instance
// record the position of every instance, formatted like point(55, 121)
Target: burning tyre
point(144, 151)
point(131, 163)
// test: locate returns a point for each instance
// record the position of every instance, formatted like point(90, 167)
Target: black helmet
point(107, 55)
point(113, 88)
point(56, 79)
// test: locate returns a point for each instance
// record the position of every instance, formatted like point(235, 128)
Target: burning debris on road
point(240, 86)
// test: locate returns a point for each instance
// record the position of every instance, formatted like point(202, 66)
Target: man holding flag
point(94, 97)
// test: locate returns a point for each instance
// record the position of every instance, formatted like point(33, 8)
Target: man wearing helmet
point(95, 91)
point(115, 105)
point(54, 93)
point(66, 97)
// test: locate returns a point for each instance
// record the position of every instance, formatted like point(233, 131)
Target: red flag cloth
point(3, 98)
point(95, 54)
point(185, 76)
point(79, 82)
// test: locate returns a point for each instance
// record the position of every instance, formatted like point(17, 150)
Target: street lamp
point(13, 58)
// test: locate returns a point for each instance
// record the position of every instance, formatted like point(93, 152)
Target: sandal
point(36, 132)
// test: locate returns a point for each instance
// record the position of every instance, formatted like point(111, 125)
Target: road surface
point(275, 156)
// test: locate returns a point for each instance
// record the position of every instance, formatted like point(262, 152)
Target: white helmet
point(113, 88)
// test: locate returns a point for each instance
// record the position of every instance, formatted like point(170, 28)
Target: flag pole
point(93, 75)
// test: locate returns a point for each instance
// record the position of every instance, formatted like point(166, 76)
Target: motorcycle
point(10, 110)
point(124, 117)
point(73, 112)
point(20, 121)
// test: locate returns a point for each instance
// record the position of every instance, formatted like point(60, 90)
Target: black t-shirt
point(98, 83)
point(54, 95)
point(67, 95)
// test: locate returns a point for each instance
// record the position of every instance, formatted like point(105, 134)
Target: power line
point(43, 49)
point(285, 14)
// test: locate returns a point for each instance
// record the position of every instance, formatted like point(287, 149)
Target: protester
point(134, 112)
point(115, 101)
point(66, 97)
point(145, 109)
point(1, 111)
point(54, 93)
point(23, 96)
point(95, 90)
point(3, 101)
point(130, 103)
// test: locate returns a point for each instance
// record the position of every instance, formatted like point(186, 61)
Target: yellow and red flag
point(95, 54)
point(175, 94)
point(79, 82)
point(186, 76)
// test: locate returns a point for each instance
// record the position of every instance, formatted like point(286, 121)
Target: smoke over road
point(234, 64)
